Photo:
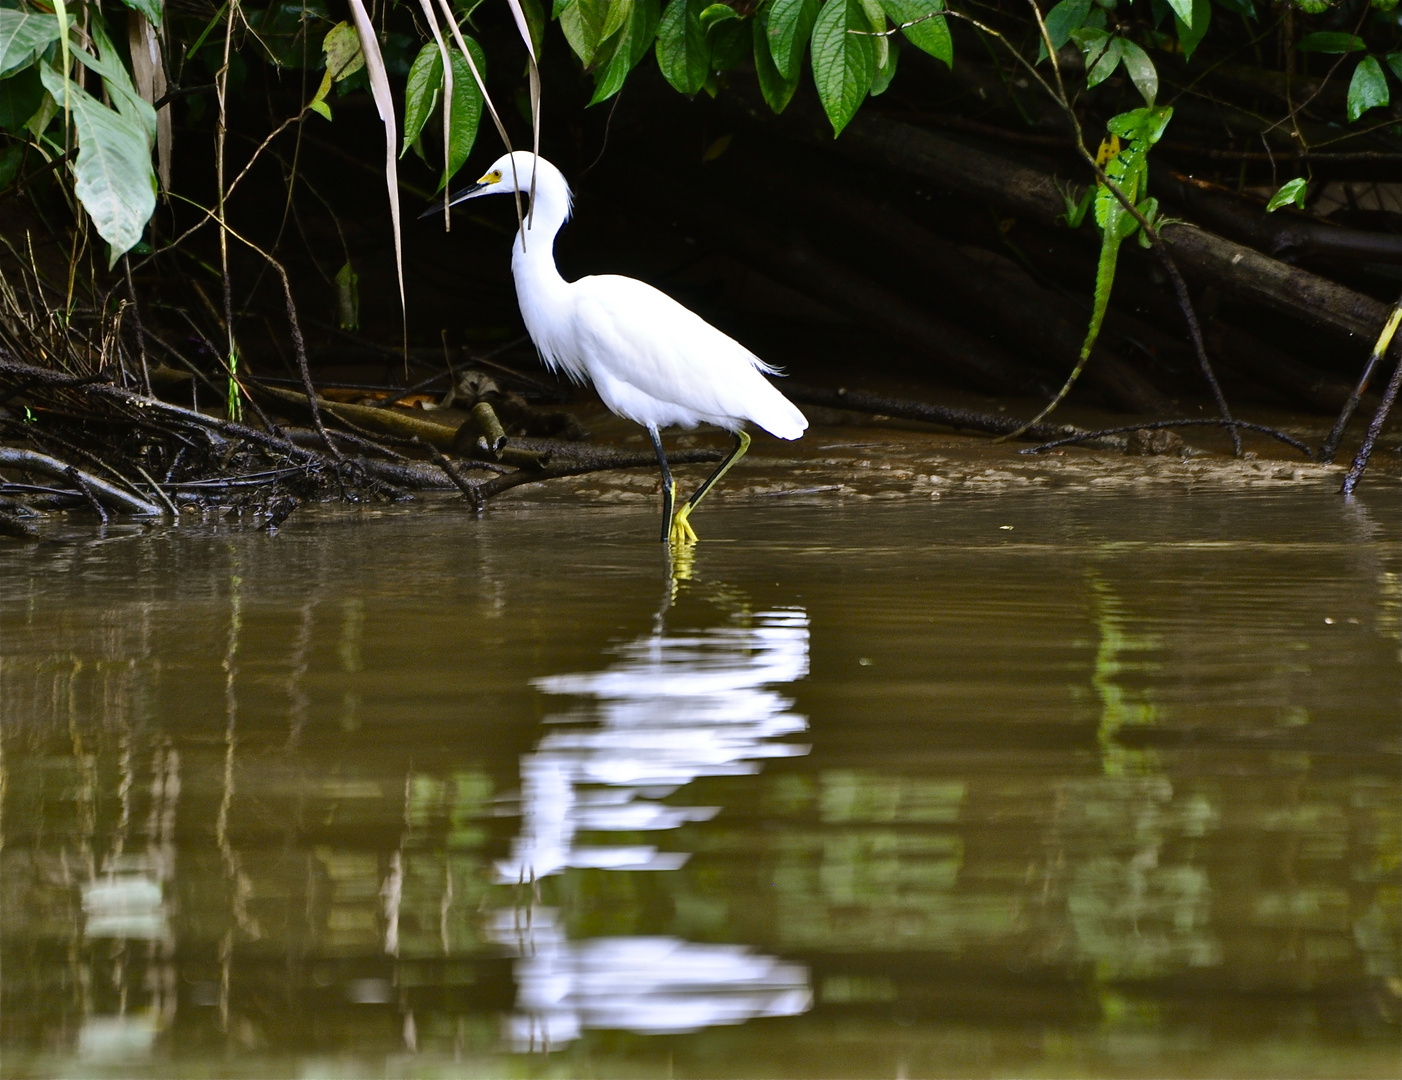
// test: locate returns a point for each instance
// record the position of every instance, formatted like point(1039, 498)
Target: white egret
point(652, 360)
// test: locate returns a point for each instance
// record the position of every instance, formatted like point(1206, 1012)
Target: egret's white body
point(651, 360)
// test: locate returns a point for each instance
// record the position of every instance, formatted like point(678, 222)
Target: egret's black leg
point(681, 531)
point(669, 486)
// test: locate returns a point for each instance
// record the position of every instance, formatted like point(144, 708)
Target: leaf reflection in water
point(670, 710)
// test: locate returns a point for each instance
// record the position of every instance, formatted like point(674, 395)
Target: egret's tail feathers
point(781, 418)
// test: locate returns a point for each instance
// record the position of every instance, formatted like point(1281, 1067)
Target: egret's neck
point(533, 253)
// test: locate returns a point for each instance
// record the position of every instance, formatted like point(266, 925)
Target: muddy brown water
point(1030, 783)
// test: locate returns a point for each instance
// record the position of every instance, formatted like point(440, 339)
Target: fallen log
point(943, 415)
point(979, 174)
point(1046, 325)
point(398, 422)
point(107, 494)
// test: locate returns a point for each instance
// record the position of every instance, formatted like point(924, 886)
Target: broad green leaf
point(730, 41)
point(1141, 70)
point(616, 14)
point(1191, 31)
point(421, 92)
point(20, 97)
point(1394, 61)
point(1367, 89)
point(1092, 42)
point(683, 56)
point(843, 63)
point(583, 24)
point(467, 108)
point(154, 10)
point(1330, 41)
point(22, 35)
point(777, 90)
point(1061, 20)
point(113, 177)
point(1292, 191)
point(876, 19)
point(344, 56)
point(1184, 10)
point(115, 79)
point(790, 27)
point(886, 71)
point(1106, 63)
point(716, 13)
point(929, 35)
point(632, 42)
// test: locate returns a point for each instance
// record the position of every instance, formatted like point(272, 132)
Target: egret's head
point(510, 173)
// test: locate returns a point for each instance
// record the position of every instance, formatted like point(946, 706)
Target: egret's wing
point(631, 333)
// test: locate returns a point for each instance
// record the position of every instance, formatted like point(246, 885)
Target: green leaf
point(421, 92)
point(843, 63)
point(1061, 20)
point(682, 53)
point(115, 79)
point(712, 14)
point(1191, 31)
point(1141, 70)
point(1394, 61)
point(777, 90)
point(634, 39)
point(467, 108)
point(1367, 89)
point(154, 10)
point(1092, 42)
point(344, 56)
point(1184, 11)
point(931, 35)
point(1106, 63)
point(1330, 41)
point(22, 35)
point(348, 295)
point(20, 98)
point(1293, 191)
point(886, 71)
point(730, 42)
point(583, 24)
point(616, 15)
point(876, 23)
point(790, 27)
point(113, 178)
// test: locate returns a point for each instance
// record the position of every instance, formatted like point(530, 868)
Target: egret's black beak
point(456, 197)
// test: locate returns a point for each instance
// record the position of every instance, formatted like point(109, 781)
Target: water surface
point(1027, 784)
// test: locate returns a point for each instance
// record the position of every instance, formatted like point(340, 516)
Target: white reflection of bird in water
point(672, 709)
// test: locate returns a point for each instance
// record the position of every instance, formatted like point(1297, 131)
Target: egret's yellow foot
point(682, 532)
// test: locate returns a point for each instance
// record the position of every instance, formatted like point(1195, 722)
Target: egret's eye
point(493, 177)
